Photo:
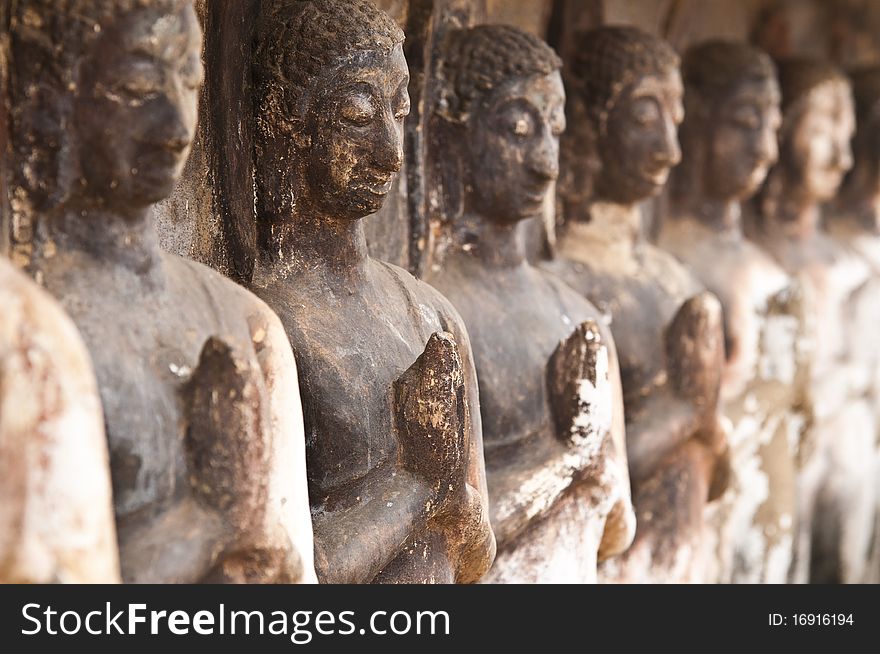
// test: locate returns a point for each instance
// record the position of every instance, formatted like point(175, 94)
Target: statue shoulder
point(560, 286)
point(677, 277)
point(217, 286)
point(31, 312)
point(419, 292)
point(576, 276)
point(233, 301)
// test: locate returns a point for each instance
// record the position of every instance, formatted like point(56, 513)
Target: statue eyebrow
point(359, 86)
point(518, 100)
point(650, 93)
point(141, 57)
point(147, 47)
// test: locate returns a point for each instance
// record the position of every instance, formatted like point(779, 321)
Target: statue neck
point(495, 245)
point(795, 221)
point(125, 239)
point(721, 216)
point(315, 244)
point(615, 228)
point(789, 211)
point(690, 195)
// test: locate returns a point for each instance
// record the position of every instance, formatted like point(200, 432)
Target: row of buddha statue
point(688, 398)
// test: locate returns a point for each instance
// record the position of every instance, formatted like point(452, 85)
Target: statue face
point(742, 139)
point(135, 115)
point(352, 137)
point(819, 152)
point(640, 145)
point(513, 148)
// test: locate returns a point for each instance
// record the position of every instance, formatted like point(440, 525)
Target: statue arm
point(288, 489)
point(620, 527)
point(354, 544)
point(425, 489)
point(687, 405)
point(661, 424)
point(586, 401)
point(60, 517)
point(479, 551)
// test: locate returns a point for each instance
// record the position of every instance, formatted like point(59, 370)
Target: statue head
point(331, 87)
point(626, 105)
point(818, 122)
point(732, 114)
point(862, 185)
point(503, 91)
point(116, 109)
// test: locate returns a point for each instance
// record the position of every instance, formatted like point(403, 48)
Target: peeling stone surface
point(56, 512)
point(834, 501)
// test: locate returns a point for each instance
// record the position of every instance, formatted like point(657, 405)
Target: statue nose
point(767, 147)
point(177, 143)
point(843, 157)
point(544, 162)
point(671, 151)
point(387, 154)
point(667, 151)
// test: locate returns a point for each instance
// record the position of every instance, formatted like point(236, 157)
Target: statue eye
point(520, 123)
point(747, 117)
point(138, 80)
point(645, 111)
point(140, 87)
point(357, 110)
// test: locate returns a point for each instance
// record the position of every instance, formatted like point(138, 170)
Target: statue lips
point(380, 187)
point(657, 176)
point(160, 162)
point(825, 181)
point(535, 193)
point(833, 174)
point(371, 188)
point(756, 173)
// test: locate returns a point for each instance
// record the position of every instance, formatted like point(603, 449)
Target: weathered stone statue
point(56, 511)
point(550, 391)
point(728, 140)
point(197, 379)
point(834, 458)
point(394, 441)
point(625, 104)
point(854, 221)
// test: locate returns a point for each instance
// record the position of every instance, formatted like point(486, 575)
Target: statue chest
point(514, 332)
point(349, 355)
point(641, 310)
point(144, 348)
